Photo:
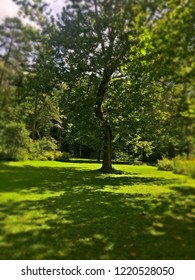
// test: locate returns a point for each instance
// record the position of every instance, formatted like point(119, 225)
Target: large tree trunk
point(106, 128)
point(107, 148)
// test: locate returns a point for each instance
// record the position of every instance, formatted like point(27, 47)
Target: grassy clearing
point(53, 210)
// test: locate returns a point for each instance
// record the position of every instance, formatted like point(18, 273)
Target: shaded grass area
point(52, 210)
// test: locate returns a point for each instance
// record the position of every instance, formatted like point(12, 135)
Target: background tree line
point(112, 80)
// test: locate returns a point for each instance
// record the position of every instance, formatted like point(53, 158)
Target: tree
point(35, 10)
point(80, 126)
point(170, 44)
point(37, 93)
point(97, 38)
point(15, 51)
point(116, 47)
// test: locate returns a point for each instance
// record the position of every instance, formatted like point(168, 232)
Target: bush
point(138, 162)
point(55, 155)
point(178, 165)
point(121, 156)
point(15, 144)
point(41, 148)
point(165, 164)
point(14, 141)
point(63, 157)
point(186, 167)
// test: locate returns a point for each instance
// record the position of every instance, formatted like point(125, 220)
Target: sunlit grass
point(53, 210)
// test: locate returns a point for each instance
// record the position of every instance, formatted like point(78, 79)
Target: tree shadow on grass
point(59, 178)
point(67, 213)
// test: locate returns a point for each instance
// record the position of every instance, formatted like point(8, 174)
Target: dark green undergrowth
point(53, 210)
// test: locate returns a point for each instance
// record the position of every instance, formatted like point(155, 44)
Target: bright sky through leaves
point(9, 9)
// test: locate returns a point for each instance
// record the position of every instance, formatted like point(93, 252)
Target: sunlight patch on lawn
point(139, 189)
point(28, 195)
point(32, 220)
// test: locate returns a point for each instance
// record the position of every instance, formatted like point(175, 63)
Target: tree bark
point(80, 151)
point(106, 128)
point(99, 155)
point(35, 116)
point(107, 148)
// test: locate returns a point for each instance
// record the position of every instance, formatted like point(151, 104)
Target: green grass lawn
point(52, 210)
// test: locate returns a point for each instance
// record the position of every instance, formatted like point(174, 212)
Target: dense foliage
point(105, 79)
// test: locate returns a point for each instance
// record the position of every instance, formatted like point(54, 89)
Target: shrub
point(165, 164)
point(186, 167)
point(49, 155)
point(14, 141)
point(63, 157)
point(178, 165)
point(15, 144)
point(121, 156)
point(47, 144)
point(54, 155)
point(138, 162)
point(42, 149)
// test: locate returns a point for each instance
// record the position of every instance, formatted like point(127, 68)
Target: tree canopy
point(107, 79)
